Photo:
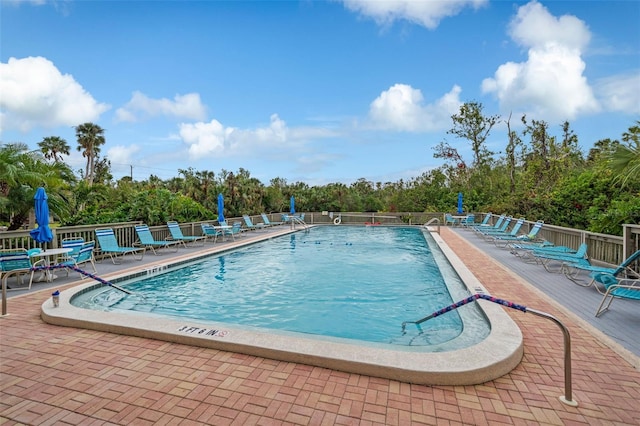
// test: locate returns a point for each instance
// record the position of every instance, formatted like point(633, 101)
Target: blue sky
point(309, 91)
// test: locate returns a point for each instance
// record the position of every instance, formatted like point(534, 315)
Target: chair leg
point(573, 275)
point(545, 263)
point(604, 308)
point(141, 254)
point(31, 279)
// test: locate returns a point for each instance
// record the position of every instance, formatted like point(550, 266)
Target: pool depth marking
point(155, 270)
point(203, 331)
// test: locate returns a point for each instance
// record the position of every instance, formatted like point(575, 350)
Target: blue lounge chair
point(235, 229)
point(266, 221)
point(450, 220)
point(210, 232)
point(468, 221)
point(502, 230)
point(17, 262)
point(501, 225)
point(288, 218)
point(109, 246)
point(489, 236)
point(74, 243)
point(250, 225)
point(231, 230)
point(545, 257)
point(504, 240)
point(485, 225)
point(524, 249)
point(297, 218)
point(600, 274)
point(176, 234)
point(146, 240)
point(625, 289)
point(84, 254)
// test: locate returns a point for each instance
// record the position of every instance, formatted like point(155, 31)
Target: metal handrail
point(432, 220)
point(59, 266)
point(297, 219)
point(567, 397)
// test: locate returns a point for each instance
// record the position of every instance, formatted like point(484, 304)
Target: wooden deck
point(621, 323)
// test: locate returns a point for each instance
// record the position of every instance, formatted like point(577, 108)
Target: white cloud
point(212, 139)
point(61, 6)
point(183, 106)
point(313, 163)
point(35, 93)
point(205, 139)
point(402, 108)
point(121, 154)
point(550, 84)
point(620, 93)
point(535, 27)
point(125, 115)
point(425, 13)
point(19, 2)
point(275, 133)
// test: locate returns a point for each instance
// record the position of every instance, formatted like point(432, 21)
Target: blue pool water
point(343, 282)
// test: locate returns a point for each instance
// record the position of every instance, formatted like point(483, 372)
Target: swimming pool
point(472, 364)
point(342, 282)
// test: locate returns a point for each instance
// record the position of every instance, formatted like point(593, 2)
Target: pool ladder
point(433, 220)
point(299, 221)
point(567, 397)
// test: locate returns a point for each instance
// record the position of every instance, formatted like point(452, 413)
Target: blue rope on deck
point(81, 271)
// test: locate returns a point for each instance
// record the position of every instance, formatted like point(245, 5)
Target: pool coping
point(493, 357)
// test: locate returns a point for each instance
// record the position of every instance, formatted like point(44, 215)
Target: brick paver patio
point(56, 375)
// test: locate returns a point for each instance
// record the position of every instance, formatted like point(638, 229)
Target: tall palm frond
point(625, 159)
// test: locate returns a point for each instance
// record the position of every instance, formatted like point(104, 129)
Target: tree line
point(540, 174)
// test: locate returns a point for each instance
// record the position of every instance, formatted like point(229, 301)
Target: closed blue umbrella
point(220, 208)
point(460, 210)
point(292, 205)
point(42, 233)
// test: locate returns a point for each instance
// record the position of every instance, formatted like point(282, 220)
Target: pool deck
point(61, 375)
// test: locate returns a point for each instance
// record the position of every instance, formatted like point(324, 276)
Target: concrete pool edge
point(494, 357)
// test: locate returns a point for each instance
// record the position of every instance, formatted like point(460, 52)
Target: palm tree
point(21, 172)
point(10, 169)
point(90, 136)
point(625, 159)
point(53, 147)
point(206, 189)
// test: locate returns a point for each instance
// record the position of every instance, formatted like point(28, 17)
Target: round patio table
point(47, 255)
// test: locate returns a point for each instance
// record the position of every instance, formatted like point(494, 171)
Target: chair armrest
point(37, 263)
